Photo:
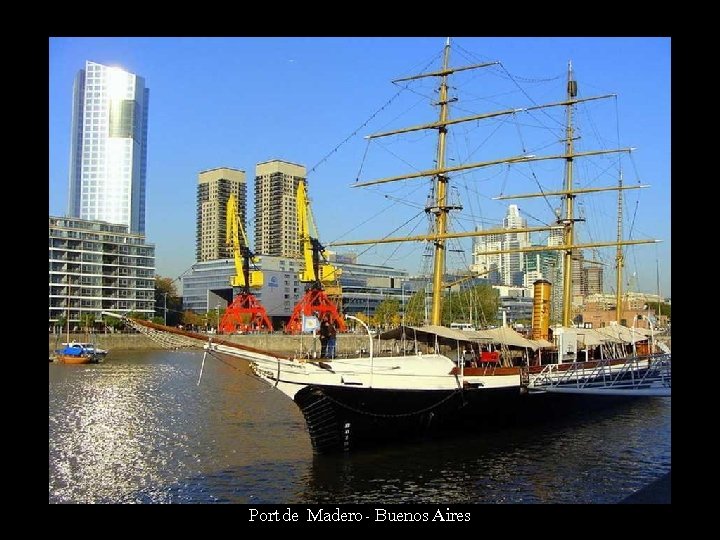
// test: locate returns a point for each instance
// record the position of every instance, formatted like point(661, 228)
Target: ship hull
point(350, 404)
point(76, 360)
point(341, 419)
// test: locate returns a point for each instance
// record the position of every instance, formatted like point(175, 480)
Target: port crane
point(245, 313)
point(317, 275)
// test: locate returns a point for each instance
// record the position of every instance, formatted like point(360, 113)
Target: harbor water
point(139, 429)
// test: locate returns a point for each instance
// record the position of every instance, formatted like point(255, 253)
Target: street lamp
point(165, 309)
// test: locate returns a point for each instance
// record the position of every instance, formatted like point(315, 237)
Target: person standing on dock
point(327, 339)
point(332, 333)
point(324, 337)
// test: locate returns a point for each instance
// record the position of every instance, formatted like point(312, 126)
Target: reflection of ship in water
point(586, 457)
point(360, 401)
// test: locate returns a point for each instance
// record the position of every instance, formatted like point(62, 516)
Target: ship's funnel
point(541, 309)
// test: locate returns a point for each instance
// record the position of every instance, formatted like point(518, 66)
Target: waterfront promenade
point(276, 342)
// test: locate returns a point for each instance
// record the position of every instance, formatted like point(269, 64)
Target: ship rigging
point(361, 400)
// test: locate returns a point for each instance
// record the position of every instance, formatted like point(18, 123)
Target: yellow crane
point(319, 275)
point(245, 313)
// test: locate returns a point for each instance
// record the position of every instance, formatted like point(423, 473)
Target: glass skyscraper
point(108, 149)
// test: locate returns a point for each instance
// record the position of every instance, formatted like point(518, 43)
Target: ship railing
point(636, 372)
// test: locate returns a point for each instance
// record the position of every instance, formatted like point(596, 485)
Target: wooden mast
point(441, 208)
point(569, 220)
point(619, 258)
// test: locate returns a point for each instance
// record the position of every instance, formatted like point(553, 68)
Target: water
point(138, 429)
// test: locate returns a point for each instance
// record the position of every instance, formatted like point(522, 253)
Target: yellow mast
point(569, 220)
point(619, 258)
point(441, 210)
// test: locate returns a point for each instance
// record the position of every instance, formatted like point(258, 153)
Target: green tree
point(479, 304)
point(214, 316)
point(415, 309)
point(61, 322)
point(166, 296)
point(386, 312)
point(87, 321)
point(113, 322)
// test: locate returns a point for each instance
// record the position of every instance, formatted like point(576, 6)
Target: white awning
point(502, 336)
point(624, 334)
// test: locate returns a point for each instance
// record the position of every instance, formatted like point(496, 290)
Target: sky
point(235, 102)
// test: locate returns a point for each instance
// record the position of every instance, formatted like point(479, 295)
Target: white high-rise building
point(488, 266)
point(505, 268)
point(512, 263)
point(108, 153)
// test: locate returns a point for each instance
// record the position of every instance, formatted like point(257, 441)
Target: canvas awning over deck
point(499, 336)
point(624, 334)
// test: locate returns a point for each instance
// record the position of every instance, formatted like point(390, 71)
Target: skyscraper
point(488, 265)
point(512, 263)
point(108, 146)
point(214, 189)
point(504, 268)
point(593, 282)
point(276, 225)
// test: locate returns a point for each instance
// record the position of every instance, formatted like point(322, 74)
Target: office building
point(364, 286)
point(108, 146)
point(503, 268)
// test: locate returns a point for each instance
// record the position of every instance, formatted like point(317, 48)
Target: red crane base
point(245, 314)
point(315, 302)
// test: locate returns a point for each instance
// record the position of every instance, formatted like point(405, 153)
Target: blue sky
point(235, 102)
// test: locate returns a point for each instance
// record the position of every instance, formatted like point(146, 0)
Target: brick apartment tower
point(214, 189)
point(276, 225)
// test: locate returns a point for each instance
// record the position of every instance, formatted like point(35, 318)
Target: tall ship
point(372, 398)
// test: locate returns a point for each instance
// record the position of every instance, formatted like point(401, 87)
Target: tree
point(415, 309)
point(190, 318)
point(166, 295)
point(112, 322)
point(363, 317)
point(61, 322)
point(479, 304)
point(664, 309)
point(87, 321)
point(214, 316)
point(385, 312)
